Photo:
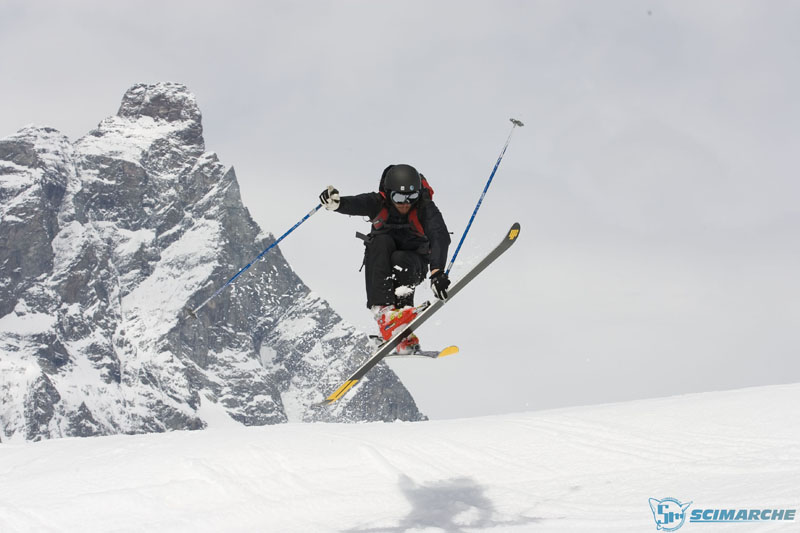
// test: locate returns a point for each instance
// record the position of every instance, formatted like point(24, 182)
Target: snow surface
point(127, 139)
point(28, 324)
point(155, 305)
point(578, 469)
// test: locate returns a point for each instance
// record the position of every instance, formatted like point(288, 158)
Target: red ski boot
point(389, 319)
point(408, 346)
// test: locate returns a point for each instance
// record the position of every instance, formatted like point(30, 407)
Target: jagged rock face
point(104, 242)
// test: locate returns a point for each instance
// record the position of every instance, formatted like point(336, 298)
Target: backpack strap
point(380, 220)
point(416, 225)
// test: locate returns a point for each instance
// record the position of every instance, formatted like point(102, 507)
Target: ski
point(377, 343)
point(427, 310)
point(429, 354)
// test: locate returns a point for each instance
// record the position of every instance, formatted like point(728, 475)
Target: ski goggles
point(404, 197)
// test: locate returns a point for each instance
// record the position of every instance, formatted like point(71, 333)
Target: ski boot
point(408, 346)
point(389, 319)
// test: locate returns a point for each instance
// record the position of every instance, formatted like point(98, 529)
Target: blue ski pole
point(515, 123)
point(193, 312)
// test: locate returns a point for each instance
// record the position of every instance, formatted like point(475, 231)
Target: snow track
point(579, 469)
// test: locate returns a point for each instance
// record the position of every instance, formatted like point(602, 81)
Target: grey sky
point(655, 179)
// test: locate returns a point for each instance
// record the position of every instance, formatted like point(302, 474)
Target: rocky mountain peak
point(162, 101)
point(105, 241)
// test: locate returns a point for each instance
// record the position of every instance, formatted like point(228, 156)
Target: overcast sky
point(655, 179)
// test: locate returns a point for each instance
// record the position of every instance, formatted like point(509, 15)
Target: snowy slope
point(579, 469)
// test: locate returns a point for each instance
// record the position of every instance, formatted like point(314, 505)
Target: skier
point(408, 235)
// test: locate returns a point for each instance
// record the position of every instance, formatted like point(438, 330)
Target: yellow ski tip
point(450, 350)
point(341, 391)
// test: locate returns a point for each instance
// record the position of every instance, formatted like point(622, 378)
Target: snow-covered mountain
point(104, 241)
point(578, 469)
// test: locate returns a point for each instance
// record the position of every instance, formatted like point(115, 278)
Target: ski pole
point(515, 123)
point(193, 312)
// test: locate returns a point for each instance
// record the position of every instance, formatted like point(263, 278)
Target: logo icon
point(669, 513)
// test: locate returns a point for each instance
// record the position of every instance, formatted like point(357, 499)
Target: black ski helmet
point(402, 178)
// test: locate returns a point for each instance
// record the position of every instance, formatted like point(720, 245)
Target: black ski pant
point(388, 268)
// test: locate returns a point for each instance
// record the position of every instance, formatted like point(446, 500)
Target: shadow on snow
point(457, 504)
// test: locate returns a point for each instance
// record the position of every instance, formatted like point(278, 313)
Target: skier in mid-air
point(408, 236)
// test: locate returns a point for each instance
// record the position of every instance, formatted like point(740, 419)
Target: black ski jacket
point(436, 239)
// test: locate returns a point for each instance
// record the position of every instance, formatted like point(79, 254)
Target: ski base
point(430, 354)
point(378, 342)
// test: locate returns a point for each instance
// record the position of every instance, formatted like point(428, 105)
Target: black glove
point(439, 283)
point(330, 198)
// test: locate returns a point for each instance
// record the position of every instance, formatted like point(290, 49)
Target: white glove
point(330, 198)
